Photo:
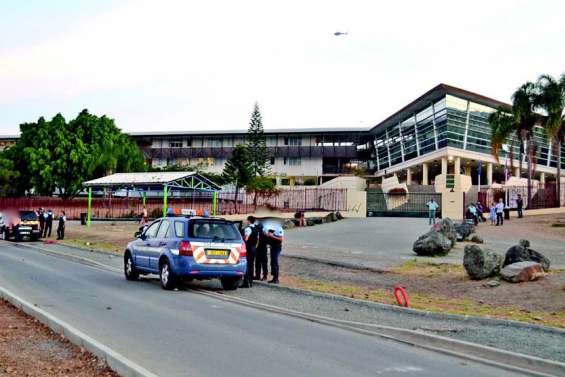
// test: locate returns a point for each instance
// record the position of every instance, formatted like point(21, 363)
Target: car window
point(151, 231)
point(163, 229)
point(28, 216)
point(214, 230)
point(179, 229)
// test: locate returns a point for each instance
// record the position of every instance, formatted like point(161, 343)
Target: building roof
point(433, 95)
point(179, 179)
point(316, 130)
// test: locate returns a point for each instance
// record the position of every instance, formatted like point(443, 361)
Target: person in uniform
point(275, 236)
point(48, 223)
point(261, 255)
point(61, 226)
point(251, 238)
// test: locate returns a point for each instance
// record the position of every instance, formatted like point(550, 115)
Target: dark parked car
point(20, 224)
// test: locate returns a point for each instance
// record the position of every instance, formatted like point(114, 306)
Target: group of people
point(258, 239)
point(46, 223)
point(475, 212)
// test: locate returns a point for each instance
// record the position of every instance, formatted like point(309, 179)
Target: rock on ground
point(476, 238)
point(523, 253)
point(522, 272)
point(464, 231)
point(447, 228)
point(431, 244)
point(479, 263)
point(339, 216)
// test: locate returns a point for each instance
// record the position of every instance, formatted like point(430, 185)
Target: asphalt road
point(187, 334)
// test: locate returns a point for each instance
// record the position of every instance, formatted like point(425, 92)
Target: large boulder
point(476, 238)
point(288, 224)
point(330, 217)
point(464, 231)
point(433, 243)
point(447, 228)
point(339, 216)
point(481, 263)
point(523, 253)
point(521, 272)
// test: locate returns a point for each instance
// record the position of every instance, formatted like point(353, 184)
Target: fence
point(411, 204)
point(544, 195)
point(308, 199)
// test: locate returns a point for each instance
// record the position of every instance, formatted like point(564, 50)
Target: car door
point(142, 248)
point(159, 244)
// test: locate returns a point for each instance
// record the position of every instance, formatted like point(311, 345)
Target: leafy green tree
point(262, 187)
point(257, 144)
point(551, 99)
point(57, 155)
point(238, 169)
point(518, 124)
point(8, 175)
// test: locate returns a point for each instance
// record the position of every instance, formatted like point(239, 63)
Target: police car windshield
point(213, 230)
point(28, 215)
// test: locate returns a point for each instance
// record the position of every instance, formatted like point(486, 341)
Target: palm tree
point(523, 110)
point(551, 98)
point(518, 124)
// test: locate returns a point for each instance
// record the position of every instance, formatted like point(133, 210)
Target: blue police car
point(188, 248)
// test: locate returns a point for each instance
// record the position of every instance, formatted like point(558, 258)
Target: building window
point(293, 161)
point(215, 142)
point(293, 140)
point(272, 160)
point(175, 143)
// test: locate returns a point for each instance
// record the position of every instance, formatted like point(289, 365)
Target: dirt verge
point(28, 348)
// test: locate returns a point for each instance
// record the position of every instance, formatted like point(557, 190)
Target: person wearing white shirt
point(432, 207)
point(500, 212)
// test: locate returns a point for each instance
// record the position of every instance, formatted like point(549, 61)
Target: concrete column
point(425, 174)
point(467, 170)
point(517, 172)
point(489, 173)
point(457, 165)
point(444, 165)
point(408, 176)
point(542, 177)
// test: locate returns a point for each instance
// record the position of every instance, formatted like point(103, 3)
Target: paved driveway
point(375, 242)
point(382, 242)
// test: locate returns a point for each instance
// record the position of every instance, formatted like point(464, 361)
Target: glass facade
point(450, 121)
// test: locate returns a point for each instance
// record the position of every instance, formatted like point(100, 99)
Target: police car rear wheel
point(167, 278)
point(230, 284)
point(129, 268)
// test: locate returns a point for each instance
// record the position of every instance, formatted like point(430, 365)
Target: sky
point(199, 65)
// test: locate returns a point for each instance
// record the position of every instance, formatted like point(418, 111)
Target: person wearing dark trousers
point(61, 226)
point(48, 224)
point(251, 238)
point(520, 206)
point(261, 258)
point(41, 217)
point(500, 212)
point(276, 238)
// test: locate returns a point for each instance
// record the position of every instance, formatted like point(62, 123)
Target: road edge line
point(440, 344)
point(116, 361)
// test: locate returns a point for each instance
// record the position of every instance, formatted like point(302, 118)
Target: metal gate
point(412, 204)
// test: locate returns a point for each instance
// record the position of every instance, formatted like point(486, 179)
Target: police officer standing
point(276, 237)
point(61, 226)
point(40, 215)
point(251, 238)
point(261, 258)
point(48, 223)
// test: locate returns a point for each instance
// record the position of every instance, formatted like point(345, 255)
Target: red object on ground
point(400, 291)
point(49, 241)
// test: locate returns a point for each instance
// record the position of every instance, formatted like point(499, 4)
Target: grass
point(103, 246)
point(433, 303)
point(429, 269)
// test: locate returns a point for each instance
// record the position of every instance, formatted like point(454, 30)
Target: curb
point(458, 348)
point(117, 362)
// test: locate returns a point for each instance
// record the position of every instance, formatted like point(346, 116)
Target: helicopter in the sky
point(340, 33)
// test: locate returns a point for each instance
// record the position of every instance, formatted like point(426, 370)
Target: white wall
point(308, 167)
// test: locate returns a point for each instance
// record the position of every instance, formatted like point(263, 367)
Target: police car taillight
point(185, 248)
point(242, 250)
